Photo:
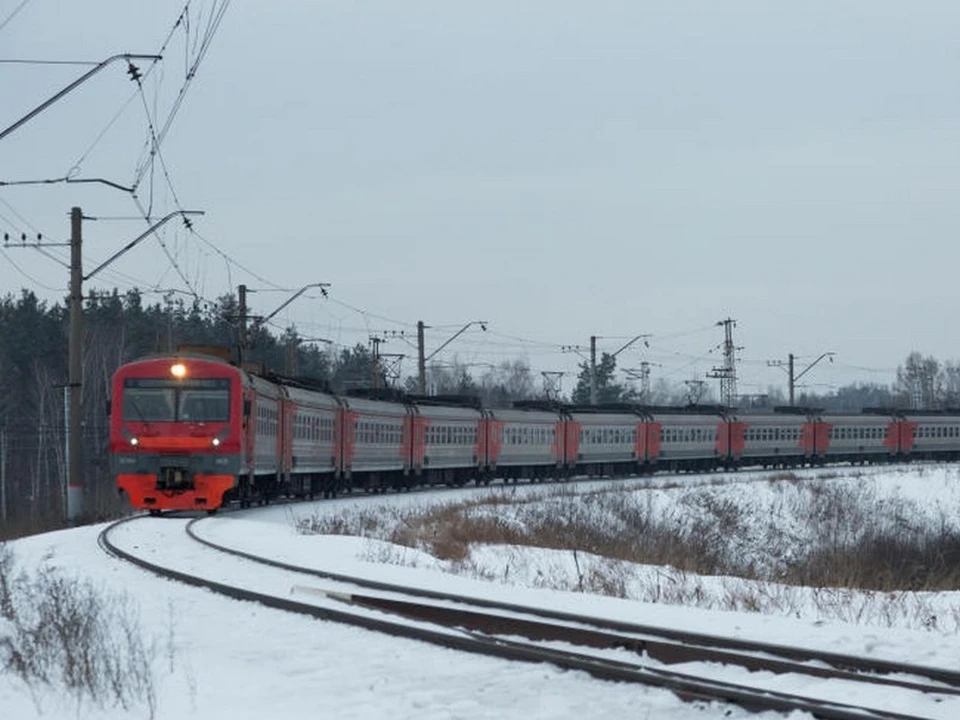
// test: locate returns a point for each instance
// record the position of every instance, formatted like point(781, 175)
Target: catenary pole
point(74, 404)
point(75, 376)
point(793, 382)
point(421, 360)
point(593, 369)
point(242, 330)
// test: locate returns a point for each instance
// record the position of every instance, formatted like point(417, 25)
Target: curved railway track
point(493, 628)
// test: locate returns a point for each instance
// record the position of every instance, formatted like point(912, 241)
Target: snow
point(216, 657)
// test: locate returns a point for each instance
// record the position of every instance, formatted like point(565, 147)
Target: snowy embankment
point(212, 657)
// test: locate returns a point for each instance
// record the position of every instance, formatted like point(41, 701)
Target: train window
point(163, 400)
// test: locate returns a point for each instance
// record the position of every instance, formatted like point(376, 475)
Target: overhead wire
point(216, 16)
point(31, 61)
point(12, 15)
point(365, 313)
point(26, 274)
point(201, 46)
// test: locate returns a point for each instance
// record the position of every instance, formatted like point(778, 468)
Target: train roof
point(470, 401)
point(302, 383)
point(546, 405)
point(382, 394)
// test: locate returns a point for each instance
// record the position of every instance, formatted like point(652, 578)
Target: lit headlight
point(178, 370)
point(215, 442)
point(134, 442)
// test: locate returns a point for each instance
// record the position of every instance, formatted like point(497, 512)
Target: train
point(191, 431)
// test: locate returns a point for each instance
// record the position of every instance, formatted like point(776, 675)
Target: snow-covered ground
point(216, 658)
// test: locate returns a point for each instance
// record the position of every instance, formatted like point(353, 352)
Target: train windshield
point(167, 400)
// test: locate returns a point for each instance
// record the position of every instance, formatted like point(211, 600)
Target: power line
point(28, 275)
point(366, 313)
point(13, 14)
point(26, 61)
point(216, 16)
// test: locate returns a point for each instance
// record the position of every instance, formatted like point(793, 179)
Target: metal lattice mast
point(727, 373)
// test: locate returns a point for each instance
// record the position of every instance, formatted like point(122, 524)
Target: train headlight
point(178, 370)
point(215, 442)
point(134, 442)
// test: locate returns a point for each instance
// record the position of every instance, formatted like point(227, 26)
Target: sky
point(215, 657)
point(559, 169)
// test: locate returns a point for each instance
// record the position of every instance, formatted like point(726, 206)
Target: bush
point(65, 634)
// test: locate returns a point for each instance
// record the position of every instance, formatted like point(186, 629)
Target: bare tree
point(919, 382)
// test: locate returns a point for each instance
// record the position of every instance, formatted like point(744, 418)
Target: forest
point(119, 327)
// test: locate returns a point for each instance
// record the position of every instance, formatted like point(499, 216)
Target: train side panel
point(452, 439)
point(687, 441)
point(606, 442)
point(858, 438)
point(776, 440)
point(930, 436)
point(312, 436)
point(265, 419)
point(375, 451)
point(524, 444)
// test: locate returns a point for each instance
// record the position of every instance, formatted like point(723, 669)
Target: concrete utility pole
point(75, 377)
point(593, 360)
point(74, 406)
point(375, 361)
point(242, 328)
point(593, 369)
point(260, 321)
point(791, 376)
point(421, 360)
point(793, 380)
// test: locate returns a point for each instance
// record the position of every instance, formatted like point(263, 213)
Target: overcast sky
point(561, 169)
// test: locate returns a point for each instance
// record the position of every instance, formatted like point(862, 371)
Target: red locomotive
point(192, 431)
point(178, 434)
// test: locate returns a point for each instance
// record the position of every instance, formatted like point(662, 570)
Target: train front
point(175, 432)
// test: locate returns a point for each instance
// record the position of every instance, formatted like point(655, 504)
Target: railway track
point(605, 649)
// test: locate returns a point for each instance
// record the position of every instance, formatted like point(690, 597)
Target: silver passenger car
point(374, 453)
point(523, 443)
point(931, 436)
point(862, 437)
point(446, 442)
point(606, 442)
point(681, 439)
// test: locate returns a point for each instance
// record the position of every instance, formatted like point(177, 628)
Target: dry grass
point(862, 541)
point(63, 633)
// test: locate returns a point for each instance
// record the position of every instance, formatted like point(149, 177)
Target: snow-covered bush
point(67, 634)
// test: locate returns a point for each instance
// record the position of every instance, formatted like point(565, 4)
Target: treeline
point(117, 328)
point(121, 327)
